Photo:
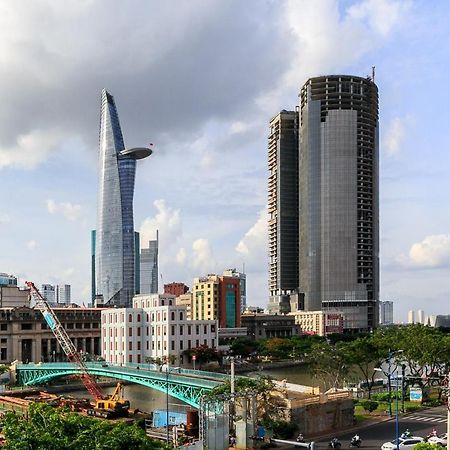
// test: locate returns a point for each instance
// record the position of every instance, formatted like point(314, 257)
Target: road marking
point(438, 419)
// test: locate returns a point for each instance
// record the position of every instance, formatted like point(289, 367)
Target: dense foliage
point(48, 428)
point(422, 352)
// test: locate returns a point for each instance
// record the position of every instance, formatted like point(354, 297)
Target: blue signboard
point(415, 394)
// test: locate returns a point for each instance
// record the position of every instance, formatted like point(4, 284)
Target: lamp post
point(167, 400)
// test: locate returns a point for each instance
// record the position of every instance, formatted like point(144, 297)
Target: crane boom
point(64, 341)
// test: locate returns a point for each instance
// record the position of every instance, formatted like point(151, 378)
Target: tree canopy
point(49, 428)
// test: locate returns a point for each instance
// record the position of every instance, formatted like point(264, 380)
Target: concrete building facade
point(386, 313)
point(49, 291)
point(217, 298)
point(263, 326)
point(283, 208)
point(185, 300)
point(25, 336)
point(149, 267)
point(319, 323)
point(338, 198)
point(242, 284)
point(176, 289)
point(64, 296)
point(154, 328)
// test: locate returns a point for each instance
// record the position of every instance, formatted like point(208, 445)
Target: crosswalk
point(431, 419)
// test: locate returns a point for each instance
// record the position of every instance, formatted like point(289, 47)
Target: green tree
point(328, 363)
point(369, 405)
point(244, 346)
point(203, 354)
point(365, 354)
point(48, 428)
point(427, 446)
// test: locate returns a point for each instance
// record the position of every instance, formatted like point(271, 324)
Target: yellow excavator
point(107, 407)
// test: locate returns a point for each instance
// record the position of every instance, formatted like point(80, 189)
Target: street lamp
point(377, 369)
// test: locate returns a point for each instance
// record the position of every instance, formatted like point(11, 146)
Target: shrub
point(384, 396)
point(369, 405)
point(412, 408)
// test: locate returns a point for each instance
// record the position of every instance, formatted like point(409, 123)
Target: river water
point(148, 400)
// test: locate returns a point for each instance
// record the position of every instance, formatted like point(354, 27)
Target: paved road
point(420, 424)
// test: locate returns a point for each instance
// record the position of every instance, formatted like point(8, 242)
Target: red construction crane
point(65, 341)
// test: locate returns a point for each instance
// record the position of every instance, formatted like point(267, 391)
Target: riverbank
point(247, 367)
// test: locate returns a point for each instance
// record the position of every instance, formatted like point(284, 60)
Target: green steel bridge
point(184, 384)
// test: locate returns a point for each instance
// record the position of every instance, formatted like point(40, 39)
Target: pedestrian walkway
point(422, 418)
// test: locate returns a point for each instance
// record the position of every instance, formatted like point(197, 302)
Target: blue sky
point(200, 80)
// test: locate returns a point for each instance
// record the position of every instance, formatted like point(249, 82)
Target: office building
point(155, 327)
point(421, 317)
point(338, 198)
point(217, 298)
point(411, 318)
point(176, 289)
point(13, 297)
point(49, 291)
point(283, 209)
point(63, 294)
point(264, 326)
point(242, 284)
point(115, 242)
point(149, 267)
point(7, 280)
point(386, 313)
point(185, 300)
point(25, 336)
point(318, 323)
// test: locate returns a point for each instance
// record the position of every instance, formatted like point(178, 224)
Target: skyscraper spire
point(114, 246)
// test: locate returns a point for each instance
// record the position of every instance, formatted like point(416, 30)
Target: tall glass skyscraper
point(115, 252)
point(338, 198)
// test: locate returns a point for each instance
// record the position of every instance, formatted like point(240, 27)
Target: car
point(403, 443)
point(440, 439)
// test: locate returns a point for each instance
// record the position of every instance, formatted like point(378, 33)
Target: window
point(197, 329)
point(181, 330)
point(189, 329)
point(4, 340)
point(181, 345)
point(78, 326)
point(70, 326)
point(181, 316)
point(26, 326)
point(139, 345)
point(172, 345)
point(130, 346)
point(130, 318)
point(189, 344)
point(172, 315)
point(172, 330)
point(87, 325)
point(130, 331)
point(205, 329)
point(139, 331)
point(213, 328)
point(3, 354)
point(138, 317)
point(3, 327)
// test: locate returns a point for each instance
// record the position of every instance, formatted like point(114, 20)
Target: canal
point(148, 400)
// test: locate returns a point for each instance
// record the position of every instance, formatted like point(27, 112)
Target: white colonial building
point(156, 327)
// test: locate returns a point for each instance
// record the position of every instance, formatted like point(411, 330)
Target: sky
point(200, 80)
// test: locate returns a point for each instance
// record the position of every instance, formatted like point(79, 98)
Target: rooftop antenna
point(373, 74)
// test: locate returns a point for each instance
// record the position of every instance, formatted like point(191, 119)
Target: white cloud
point(4, 218)
point(69, 210)
point(323, 38)
point(31, 245)
point(395, 135)
point(181, 256)
point(432, 252)
point(253, 246)
point(202, 255)
point(167, 221)
point(30, 149)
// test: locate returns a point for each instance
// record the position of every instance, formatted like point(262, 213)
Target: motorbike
point(334, 443)
point(355, 442)
point(300, 438)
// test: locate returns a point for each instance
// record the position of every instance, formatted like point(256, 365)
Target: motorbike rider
point(300, 438)
point(356, 440)
point(335, 443)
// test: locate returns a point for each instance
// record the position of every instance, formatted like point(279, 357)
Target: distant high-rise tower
point(386, 313)
point(49, 293)
point(63, 295)
point(242, 285)
point(283, 209)
point(115, 256)
point(149, 267)
point(338, 198)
